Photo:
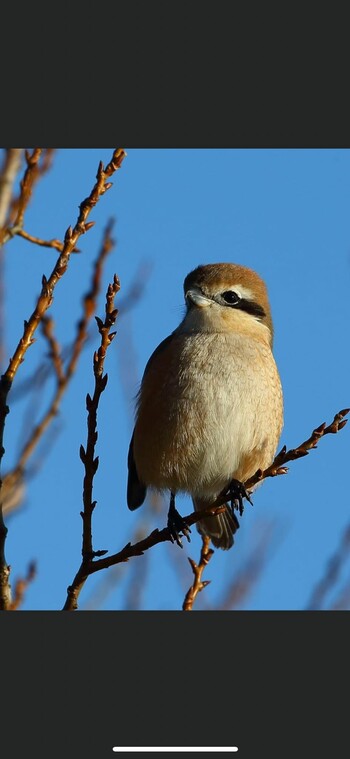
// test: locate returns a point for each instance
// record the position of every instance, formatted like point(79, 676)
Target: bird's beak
point(197, 297)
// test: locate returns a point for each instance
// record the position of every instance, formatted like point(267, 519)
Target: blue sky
point(284, 213)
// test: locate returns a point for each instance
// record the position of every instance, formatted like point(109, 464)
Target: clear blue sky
point(284, 213)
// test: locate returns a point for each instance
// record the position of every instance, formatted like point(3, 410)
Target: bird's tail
point(220, 528)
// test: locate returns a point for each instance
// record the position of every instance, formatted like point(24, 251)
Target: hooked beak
point(196, 296)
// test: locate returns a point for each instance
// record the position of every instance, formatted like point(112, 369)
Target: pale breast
point(206, 403)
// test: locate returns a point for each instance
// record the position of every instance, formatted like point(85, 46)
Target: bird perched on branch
point(210, 410)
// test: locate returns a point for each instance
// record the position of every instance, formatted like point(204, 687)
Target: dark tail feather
point(221, 528)
point(136, 490)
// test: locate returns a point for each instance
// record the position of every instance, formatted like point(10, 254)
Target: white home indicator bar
point(175, 748)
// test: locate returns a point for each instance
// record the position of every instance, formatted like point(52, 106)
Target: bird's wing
point(136, 490)
point(158, 350)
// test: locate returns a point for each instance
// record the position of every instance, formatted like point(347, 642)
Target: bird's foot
point(176, 524)
point(235, 493)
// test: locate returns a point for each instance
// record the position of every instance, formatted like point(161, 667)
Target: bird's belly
point(207, 424)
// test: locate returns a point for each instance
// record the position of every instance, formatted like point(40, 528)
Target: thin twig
point(64, 376)
point(56, 244)
point(47, 326)
point(89, 303)
point(108, 581)
point(43, 303)
point(41, 168)
point(88, 455)
point(137, 549)
point(21, 586)
point(30, 175)
point(43, 372)
point(250, 570)
point(342, 601)
point(90, 298)
point(8, 175)
point(277, 467)
point(13, 490)
point(71, 237)
point(198, 569)
point(334, 566)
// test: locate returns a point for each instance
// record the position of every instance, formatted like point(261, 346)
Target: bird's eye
point(230, 297)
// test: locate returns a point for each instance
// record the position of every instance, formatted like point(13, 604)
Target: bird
point(209, 410)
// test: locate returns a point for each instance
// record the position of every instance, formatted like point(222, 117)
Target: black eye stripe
point(251, 308)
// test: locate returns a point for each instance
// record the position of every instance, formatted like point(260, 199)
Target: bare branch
point(198, 569)
point(8, 175)
point(13, 490)
point(43, 303)
point(342, 601)
point(47, 325)
point(56, 244)
point(250, 570)
point(128, 301)
point(136, 581)
point(332, 572)
point(33, 172)
point(277, 467)
point(63, 376)
point(42, 167)
point(160, 536)
point(87, 455)
point(89, 301)
point(48, 285)
point(138, 549)
point(30, 175)
point(21, 586)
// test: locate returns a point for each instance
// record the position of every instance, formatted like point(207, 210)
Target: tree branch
point(30, 175)
point(88, 455)
point(198, 569)
point(21, 586)
point(277, 467)
point(8, 175)
point(331, 575)
point(160, 536)
point(126, 303)
point(56, 244)
point(47, 326)
point(138, 549)
point(41, 167)
point(64, 376)
point(43, 303)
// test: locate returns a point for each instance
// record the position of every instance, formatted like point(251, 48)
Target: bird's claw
point(177, 524)
point(236, 492)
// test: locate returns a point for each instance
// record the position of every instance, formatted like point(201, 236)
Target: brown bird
point(210, 408)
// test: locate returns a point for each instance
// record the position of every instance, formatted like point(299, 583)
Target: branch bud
point(100, 323)
point(104, 381)
point(68, 234)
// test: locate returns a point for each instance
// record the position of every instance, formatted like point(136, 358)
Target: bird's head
point(227, 298)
